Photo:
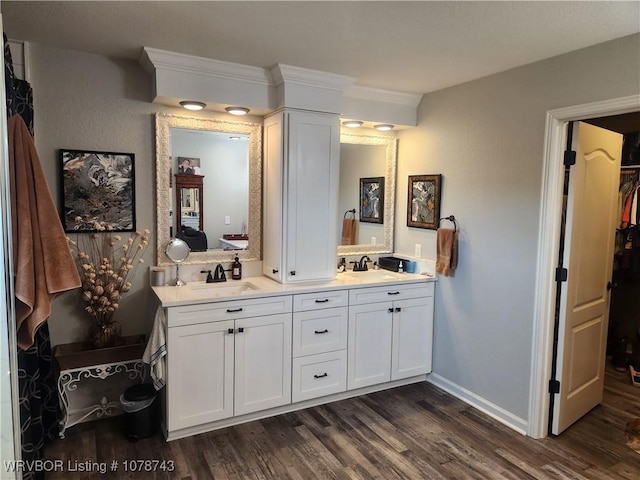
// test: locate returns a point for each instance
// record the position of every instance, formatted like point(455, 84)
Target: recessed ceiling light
point(191, 105)
point(384, 127)
point(352, 123)
point(237, 110)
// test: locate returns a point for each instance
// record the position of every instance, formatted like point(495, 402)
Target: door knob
point(611, 285)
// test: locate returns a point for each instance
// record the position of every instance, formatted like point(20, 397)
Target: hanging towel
point(447, 251)
point(348, 231)
point(156, 350)
point(42, 262)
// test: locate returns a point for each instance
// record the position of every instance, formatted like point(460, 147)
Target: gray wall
point(486, 138)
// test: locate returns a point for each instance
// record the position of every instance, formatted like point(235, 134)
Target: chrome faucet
point(218, 274)
point(361, 266)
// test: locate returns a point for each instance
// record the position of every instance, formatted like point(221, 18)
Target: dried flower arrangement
point(107, 265)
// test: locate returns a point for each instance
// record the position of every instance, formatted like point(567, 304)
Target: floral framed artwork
point(372, 200)
point(423, 204)
point(98, 191)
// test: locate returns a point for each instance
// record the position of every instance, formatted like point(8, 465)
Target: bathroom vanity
point(249, 349)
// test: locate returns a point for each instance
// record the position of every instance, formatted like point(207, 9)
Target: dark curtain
point(39, 407)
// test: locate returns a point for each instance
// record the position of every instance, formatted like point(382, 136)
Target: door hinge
point(561, 274)
point(569, 158)
point(554, 386)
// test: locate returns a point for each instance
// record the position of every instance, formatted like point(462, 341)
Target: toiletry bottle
point(400, 269)
point(236, 269)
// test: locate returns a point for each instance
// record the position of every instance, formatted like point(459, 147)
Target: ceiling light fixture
point(385, 127)
point(191, 105)
point(352, 123)
point(237, 110)
point(234, 137)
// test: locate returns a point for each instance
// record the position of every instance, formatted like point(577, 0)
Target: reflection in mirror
point(209, 187)
point(177, 251)
point(366, 156)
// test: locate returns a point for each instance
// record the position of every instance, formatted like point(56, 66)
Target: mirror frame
point(391, 156)
point(164, 122)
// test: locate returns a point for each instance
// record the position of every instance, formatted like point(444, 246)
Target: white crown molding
point(311, 78)
point(152, 58)
point(380, 95)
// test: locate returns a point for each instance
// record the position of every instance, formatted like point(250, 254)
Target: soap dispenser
point(236, 269)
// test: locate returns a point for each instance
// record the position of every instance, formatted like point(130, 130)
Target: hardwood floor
point(412, 432)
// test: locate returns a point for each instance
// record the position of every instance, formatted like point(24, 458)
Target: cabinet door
point(312, 196)
point(199, 374)
point(263, 363)
point(369, 350)
point(272, 198)
point(412, 337)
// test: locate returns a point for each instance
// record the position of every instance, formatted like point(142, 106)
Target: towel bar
point(353, 210)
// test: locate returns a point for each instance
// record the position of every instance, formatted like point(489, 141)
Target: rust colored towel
point(43, 265)
point(447, 251)
point(349, 231)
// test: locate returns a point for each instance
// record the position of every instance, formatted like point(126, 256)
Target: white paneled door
point(588, 255)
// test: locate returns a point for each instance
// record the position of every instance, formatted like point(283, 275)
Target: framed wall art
point(372, 200)
point(98, 191)
point(189, 165)
point(423, 204)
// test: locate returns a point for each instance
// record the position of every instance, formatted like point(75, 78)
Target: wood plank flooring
point(412, 432)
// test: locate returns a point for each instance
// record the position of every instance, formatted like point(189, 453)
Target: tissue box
point(390, 263)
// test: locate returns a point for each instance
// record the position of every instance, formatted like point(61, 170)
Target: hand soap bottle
point(236, 269)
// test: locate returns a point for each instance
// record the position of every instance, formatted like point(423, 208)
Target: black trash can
point(141, 413)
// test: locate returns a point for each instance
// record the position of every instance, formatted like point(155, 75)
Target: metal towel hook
point(451, 218)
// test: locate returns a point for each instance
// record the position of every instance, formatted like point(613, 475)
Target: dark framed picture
point(423, 204)
point(189, 165)
point(98, 191)
point(372, 200)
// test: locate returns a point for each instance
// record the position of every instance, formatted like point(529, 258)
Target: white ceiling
point(406, 46)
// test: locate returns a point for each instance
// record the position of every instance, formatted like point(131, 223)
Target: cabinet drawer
point(316, 301)
point(319, 331)
point(232, 310)
point(362, 296)
point(319, 375)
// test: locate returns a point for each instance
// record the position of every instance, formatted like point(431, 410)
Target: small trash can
point(140, 411)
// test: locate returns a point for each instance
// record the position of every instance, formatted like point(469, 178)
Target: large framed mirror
point(367, 168)
point(209, 173)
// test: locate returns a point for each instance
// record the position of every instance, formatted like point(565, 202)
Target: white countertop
point(256, 287)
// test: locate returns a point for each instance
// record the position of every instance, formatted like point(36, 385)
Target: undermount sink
point(222, 288)
point(371, 275)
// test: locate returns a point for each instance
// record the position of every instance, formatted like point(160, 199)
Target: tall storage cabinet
point(301, 164)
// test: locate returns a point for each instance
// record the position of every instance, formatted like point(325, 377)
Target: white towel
point(156, 351)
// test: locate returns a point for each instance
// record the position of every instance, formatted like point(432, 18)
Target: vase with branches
point(107, 263)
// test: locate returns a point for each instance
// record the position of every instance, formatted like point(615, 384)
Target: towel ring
point(451, 218)
point(353, 210)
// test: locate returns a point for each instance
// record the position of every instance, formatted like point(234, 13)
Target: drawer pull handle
point(393, 293)
point(325, 374)
point(234, 310)
point(241, 330)
point(275, 270)
point(230, 331)
point(318, 332)
point(322, 301)
point(398, 309)
point(390, 310)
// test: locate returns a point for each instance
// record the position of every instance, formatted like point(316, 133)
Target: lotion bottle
point(236, 269)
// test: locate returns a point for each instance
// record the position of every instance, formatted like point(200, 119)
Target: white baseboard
point(518, 424)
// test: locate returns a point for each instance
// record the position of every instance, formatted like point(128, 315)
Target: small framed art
point(372, 200)
point(423, 204)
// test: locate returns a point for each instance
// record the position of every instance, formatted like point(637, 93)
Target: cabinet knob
point(318, 332)
point(292, 273)
point(398, 309)
point(241, 329)
point(230, 331)
point(390, 310)
point(325, 374)
point(275, 270)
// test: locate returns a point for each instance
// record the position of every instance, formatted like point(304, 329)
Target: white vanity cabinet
point(300, 197)
point(227, 359)
point(390, 333)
